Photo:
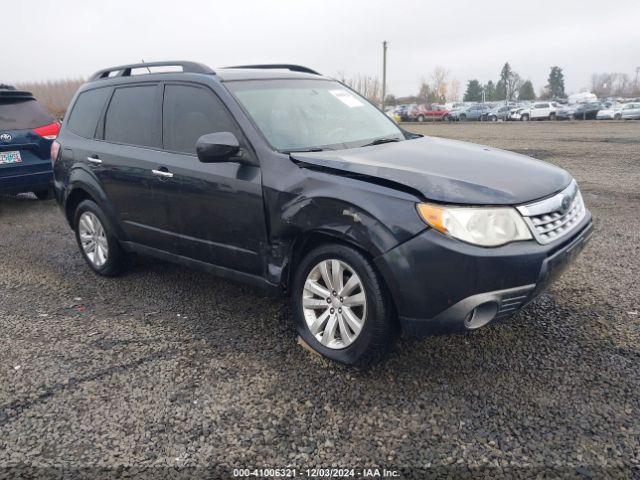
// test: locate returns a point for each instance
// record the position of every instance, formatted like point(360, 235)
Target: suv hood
point(448, 171)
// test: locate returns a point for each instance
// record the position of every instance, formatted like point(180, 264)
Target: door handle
point(162, 173)
point(94, 160)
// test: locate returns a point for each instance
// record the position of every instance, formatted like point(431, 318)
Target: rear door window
point(86, 112)
point(131, 116)
point(18, 114)
point(189, 112)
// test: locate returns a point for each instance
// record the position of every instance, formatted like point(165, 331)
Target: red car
point(420, 113)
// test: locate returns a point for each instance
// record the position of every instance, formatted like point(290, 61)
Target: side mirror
point(217, 147)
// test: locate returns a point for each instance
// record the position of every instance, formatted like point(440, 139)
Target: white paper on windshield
point(346, 98)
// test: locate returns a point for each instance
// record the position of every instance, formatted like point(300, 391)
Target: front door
point(215, 209)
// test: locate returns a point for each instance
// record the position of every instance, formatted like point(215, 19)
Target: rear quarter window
point(86, 112)
point(22, 114)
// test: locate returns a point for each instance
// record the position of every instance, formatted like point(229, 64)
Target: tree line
point(511, 87)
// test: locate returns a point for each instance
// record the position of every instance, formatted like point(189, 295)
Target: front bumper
point(442, 285)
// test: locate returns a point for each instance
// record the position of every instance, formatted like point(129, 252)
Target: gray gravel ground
point(166, 367)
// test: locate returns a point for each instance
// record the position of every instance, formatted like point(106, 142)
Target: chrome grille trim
point(553, 218)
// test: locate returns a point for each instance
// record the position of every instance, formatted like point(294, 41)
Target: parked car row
point(542, 110)
point(418, 112)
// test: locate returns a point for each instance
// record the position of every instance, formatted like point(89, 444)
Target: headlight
point(487, 227)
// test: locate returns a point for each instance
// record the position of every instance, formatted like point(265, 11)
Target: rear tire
point(43, 194)
point(93, 229)
point(377, 326)
point(552, 116)
point(462, 118)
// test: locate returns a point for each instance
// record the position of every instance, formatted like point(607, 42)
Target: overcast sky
point(472, 39)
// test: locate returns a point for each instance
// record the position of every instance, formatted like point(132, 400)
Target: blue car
point(27, 131)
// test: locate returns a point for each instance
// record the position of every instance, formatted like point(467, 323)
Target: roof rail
point(280, 66)
point(125, 70)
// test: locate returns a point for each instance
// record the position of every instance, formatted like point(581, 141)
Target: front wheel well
point(314, 239)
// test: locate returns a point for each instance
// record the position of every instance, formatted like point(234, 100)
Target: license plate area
point(10, 157)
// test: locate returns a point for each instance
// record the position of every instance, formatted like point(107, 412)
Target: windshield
point(297, 115)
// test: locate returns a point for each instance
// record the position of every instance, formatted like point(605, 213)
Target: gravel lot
point(166, 367)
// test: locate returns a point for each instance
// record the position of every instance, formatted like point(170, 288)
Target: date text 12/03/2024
point(315, 473)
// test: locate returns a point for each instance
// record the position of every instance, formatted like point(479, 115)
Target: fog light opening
point(481, 315)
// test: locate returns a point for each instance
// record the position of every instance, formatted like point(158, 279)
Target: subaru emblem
point(5, 137)
point(565, 204)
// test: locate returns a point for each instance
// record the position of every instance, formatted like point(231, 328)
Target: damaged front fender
point(374, 218)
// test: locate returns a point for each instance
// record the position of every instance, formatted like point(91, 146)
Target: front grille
point(555, 217)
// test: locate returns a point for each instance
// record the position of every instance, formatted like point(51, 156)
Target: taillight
point(55, 150)
point(48, 131)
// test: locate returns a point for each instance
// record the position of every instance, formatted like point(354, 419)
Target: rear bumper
point(27, 182)
point(441, 285)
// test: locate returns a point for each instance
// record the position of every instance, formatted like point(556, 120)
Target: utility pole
point(384, 74)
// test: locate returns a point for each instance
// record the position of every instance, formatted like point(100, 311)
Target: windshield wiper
point(380, 141)
point(301, 150)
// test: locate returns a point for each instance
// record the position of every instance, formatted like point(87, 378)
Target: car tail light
point(55, 151)
point(48, 131)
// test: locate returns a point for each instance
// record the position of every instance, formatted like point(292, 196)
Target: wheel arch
point(315, 238)
point(83, 186)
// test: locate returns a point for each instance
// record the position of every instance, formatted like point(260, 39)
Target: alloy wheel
point(334, 303)
point(93, 239)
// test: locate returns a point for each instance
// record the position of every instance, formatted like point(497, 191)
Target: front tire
point(421, 118)
point(524, 118)
point(96, 240)
point(341, 306)
point(462, 118)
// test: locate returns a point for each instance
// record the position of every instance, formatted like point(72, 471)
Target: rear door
point(123, 156)
point(26, 131)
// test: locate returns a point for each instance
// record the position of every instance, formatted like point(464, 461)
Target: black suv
point(278, 176)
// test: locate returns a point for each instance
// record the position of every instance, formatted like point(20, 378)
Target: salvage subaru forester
point(281, 177)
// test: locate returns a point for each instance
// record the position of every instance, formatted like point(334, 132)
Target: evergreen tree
point(509, 83)
point(502, 87)
point(490, 91)
point(555, 85)
point(474, 91)
point(526, 91)
point(501, 91)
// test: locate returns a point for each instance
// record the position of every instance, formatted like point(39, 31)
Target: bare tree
point(439, 86)
point(453, 93)
point(612, 85)
point(367, 86)
point(425, 92)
